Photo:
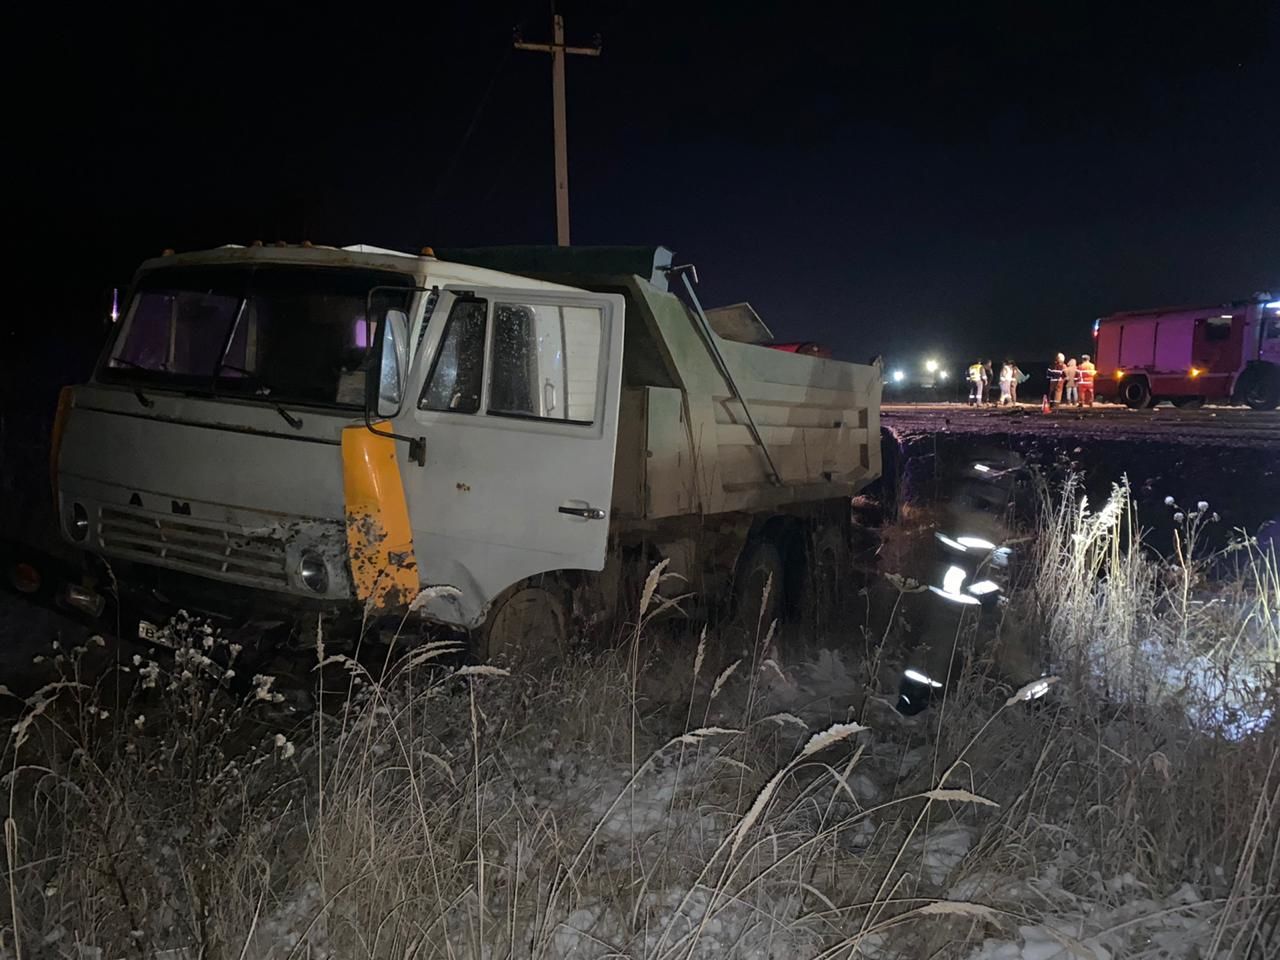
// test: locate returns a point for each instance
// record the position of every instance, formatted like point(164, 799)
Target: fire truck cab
point(1225, 353)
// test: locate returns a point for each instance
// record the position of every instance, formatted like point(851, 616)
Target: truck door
point(516, 393)
point(1216, 351)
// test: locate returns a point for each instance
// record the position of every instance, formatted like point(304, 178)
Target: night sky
point(895, 179)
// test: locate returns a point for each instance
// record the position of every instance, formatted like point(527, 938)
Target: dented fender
point(380, 553)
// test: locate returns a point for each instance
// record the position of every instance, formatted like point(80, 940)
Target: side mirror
point(393, 363)
point(387, 366)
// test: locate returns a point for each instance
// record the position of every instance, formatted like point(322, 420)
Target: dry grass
point(661, 802)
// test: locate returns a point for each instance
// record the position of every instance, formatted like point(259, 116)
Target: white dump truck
point(311, 429)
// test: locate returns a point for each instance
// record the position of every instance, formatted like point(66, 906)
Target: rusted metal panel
point(384, 569)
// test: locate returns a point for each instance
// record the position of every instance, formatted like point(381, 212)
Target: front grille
point(202, 548)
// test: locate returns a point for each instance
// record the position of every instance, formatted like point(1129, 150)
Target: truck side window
point(1217, 328)
point(458, 369)
point(545, 361)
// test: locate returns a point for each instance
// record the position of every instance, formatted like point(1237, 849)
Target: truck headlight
point(313, 573)
point(78, 523)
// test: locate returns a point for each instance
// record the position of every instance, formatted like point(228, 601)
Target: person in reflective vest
point(1086, 371)
point(1057, 375)
point(977, 380)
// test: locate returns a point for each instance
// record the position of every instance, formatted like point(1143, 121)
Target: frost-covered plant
point(137, 803)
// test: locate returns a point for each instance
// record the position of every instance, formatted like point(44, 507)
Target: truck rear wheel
point(760, 566)
point(1260, 388)
point(1135, 393)
point(527, 627)
point(826, 575)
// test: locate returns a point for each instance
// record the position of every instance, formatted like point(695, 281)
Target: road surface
point(1208, 426)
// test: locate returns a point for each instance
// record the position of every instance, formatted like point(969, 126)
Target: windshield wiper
point(137, 391)
point(264, 391)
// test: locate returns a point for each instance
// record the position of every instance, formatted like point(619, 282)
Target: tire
point(761, 564)
point(1189, 403)
point(1260, 388)
point(527, 627)
point(1136, 394)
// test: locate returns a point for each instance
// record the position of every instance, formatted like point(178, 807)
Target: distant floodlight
point(931, 366)
point(915, 676)
point(983, 587)
point(977, 543)
point(942, 375)
point(898, 376)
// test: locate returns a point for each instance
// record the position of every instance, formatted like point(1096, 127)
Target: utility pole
point(558, 50)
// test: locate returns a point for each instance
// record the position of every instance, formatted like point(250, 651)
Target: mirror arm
point(417, 445)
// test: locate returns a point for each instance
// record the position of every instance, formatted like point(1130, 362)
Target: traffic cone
point(1044, 405)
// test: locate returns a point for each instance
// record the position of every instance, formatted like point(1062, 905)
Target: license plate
point(151, 633)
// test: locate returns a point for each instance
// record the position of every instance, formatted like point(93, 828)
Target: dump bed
point(688, 448)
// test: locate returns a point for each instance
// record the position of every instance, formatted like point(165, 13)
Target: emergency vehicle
point(1225, 353)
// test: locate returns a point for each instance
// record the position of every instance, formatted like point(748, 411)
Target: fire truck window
point(458, 369)
point(1272, 330)
point(1217, 328)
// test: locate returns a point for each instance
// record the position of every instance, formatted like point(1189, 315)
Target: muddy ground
point(1228, 457)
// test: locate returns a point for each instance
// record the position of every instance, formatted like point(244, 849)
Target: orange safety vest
point(1085, 372)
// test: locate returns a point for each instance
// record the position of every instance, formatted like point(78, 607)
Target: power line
point(443, 180)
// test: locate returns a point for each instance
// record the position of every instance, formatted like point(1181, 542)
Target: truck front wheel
point(527, 626)
point(1136, 394)
point(1260, 388)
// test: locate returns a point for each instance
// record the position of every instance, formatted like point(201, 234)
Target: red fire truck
point(1226, 353)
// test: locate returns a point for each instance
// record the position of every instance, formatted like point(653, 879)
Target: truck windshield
point(291, 333)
